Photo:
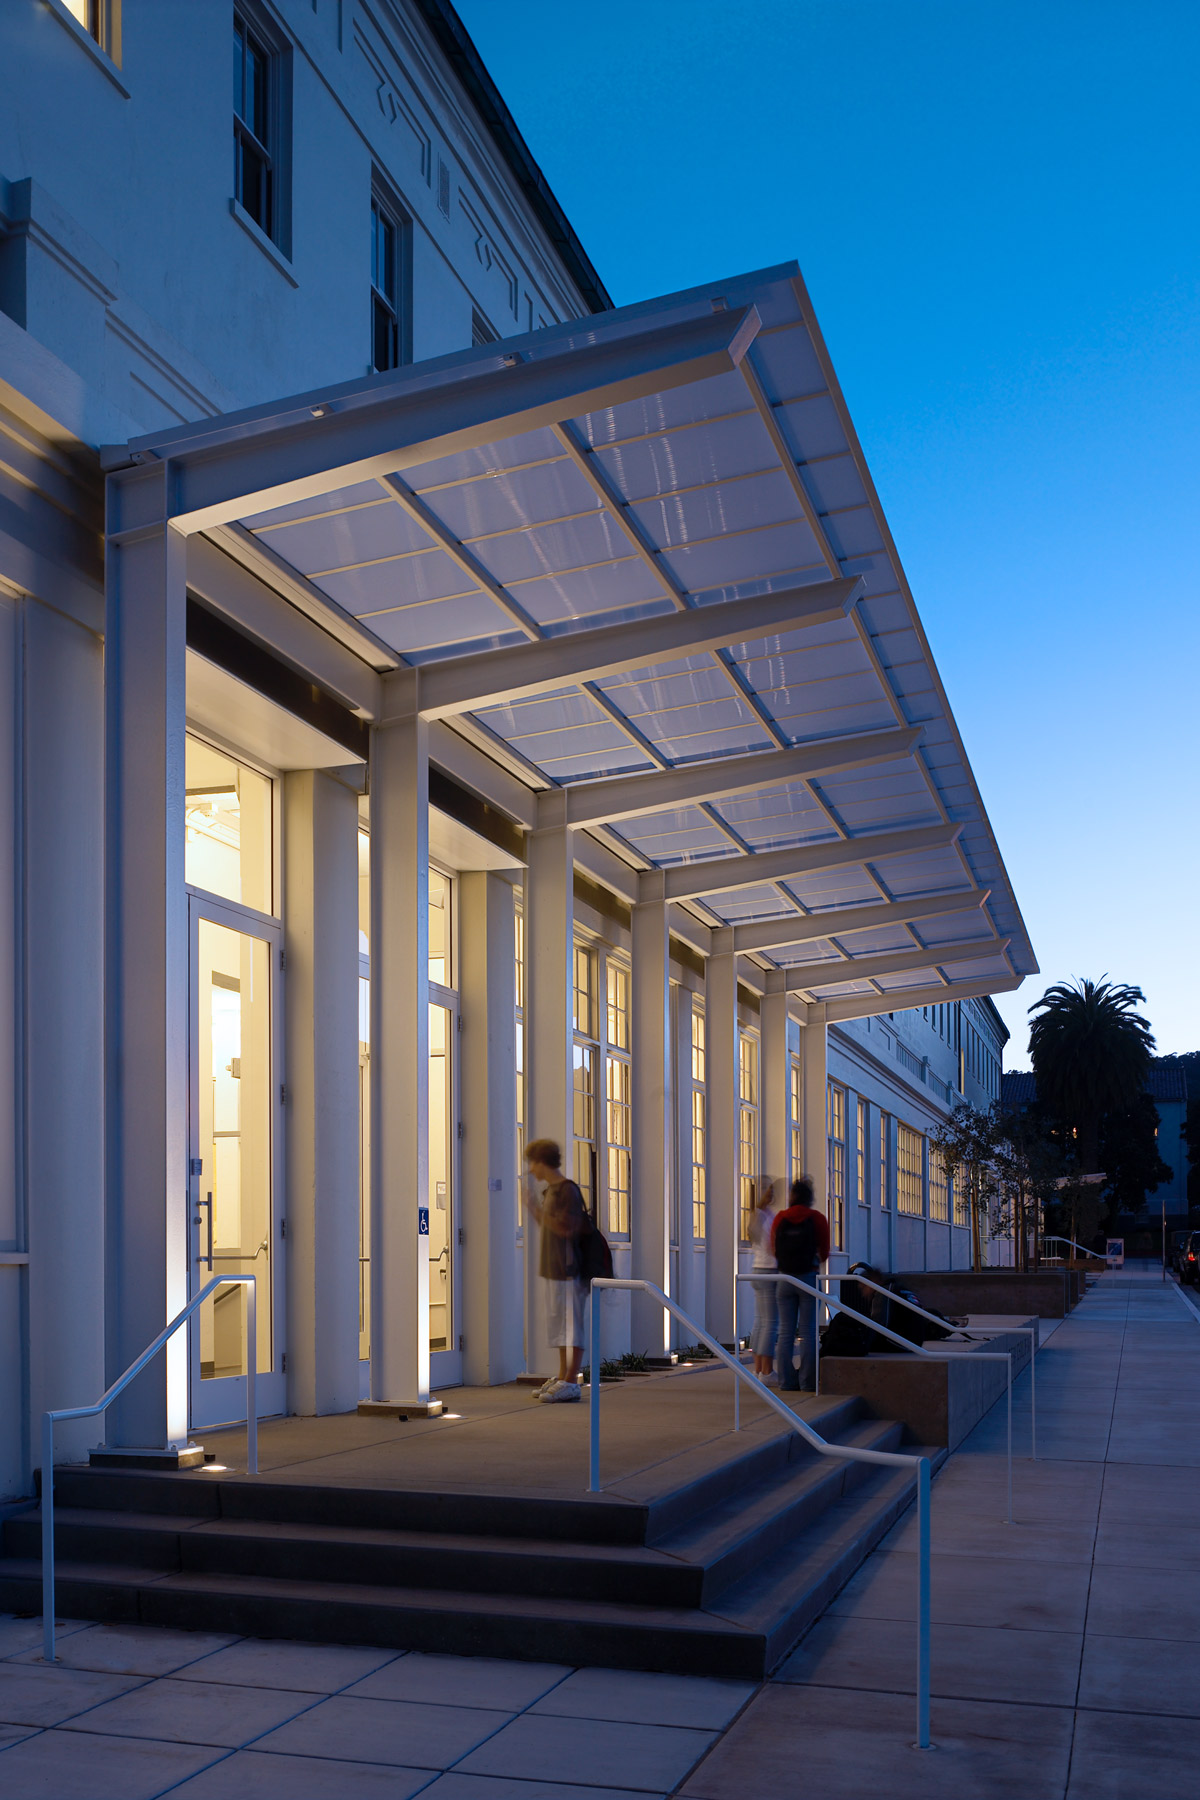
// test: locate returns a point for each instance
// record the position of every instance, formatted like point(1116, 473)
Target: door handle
point(207, 1201)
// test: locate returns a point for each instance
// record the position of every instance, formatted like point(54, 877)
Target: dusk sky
point(995, 210)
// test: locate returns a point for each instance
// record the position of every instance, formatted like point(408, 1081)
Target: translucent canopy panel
point(688, 453)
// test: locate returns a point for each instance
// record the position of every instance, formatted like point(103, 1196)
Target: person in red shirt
point(800, 1241)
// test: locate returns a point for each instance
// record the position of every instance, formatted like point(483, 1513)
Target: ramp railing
point(51, 1419)
point(847, 1452)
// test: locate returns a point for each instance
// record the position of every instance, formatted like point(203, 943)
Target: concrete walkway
point(1066, 1652)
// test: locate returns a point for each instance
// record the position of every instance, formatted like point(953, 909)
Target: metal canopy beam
point(723, 873)
point(805, 977)
point(774, 934)
point(492, 677)
point(604, 802)
point(322, 441)
point(864, 1006)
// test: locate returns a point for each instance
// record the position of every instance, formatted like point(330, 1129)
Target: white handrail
point(50, 1419)
point(982, 1330)
point(1092, 1255)
point(848, 1452)
point(906, 1344)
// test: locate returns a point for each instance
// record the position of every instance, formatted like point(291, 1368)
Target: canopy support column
point(776, 1116)
point(652, 1087)
point(724, 1236)
point(400, 1059)
point(146, 965)
point(549, 1035)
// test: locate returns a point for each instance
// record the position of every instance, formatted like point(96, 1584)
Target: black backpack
point(593, 1256)
point(795, 1245)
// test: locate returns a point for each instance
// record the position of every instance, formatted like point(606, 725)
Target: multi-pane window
point(619, 1141)
point(617, 1083)
point(385, 287)
point(860, 1152)
point(747, 1130)
point(796, 1115)
point(254, 177)
point(910, 1196)
point(586, 1053)
point(835, 1134)
point(939, 1186)
point(99, 20)
point(699, 1123)
point(585, 991)
point(885, 1160)
point(962, 1196)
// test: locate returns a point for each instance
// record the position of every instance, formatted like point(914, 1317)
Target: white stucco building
point(477, 743)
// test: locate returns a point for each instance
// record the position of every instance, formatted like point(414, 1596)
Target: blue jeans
point(762, 1340)
point(796, 1312)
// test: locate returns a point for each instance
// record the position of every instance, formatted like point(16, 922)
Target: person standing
point(762, 1222)
point(561, 1214)
point(800, 1241)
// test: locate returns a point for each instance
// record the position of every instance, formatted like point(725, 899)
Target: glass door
point(234, 1149)
point(445, 1235)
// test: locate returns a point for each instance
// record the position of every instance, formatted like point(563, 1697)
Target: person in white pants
point(560, 1213)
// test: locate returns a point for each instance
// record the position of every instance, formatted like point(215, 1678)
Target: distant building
point(1167, 1088)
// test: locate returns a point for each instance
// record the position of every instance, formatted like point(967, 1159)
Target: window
point(603, 1136)
point(618, 1006)
point(939, 1187)
point(441, 967)
point(617, 1081)
point(860, 1153)
point(253, 126)
point(796, 1117)
point(699, 1123)
point(835, 1133)
point(585, 983)
point(389, 285)
point(229, 837)
point(962, 1196)
point(583, 1102)
point(885, 1161)
point(101, 20)
point(910, 1196)
point(747, 1130)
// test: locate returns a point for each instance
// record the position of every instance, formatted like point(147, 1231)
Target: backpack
point(593, 1256)
point(795, 1245)
point(844, 1336)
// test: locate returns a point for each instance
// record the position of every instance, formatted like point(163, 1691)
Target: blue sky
point(995, 209)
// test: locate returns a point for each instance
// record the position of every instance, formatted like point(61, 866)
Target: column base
point(187, 1456)
point(403, 1409)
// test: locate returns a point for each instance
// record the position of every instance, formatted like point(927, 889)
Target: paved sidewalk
point(1066, 1651)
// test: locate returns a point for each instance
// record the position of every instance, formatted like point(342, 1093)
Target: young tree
point(1029, 1164)
point(1091, 1053)
point(966, 1142)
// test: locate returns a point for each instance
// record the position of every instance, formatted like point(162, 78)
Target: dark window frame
point(391, 283)
point(262, 125)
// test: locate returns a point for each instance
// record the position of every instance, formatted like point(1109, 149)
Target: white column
point(320, 838)
point(773, 1025)
point(492, 1297)
point(146, 960)
point(549, 1003)
point(62, 732)
point(650, 1324)
point(721, 1259)
point(400, 1056)
point(813, 1064)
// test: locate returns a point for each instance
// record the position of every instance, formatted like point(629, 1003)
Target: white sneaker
point(551, 1381)
point(770, 1379)
point(563, 1390)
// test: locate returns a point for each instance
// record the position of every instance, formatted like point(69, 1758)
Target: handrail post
point(251, 1376)
point(923, 1602)
point(48, 1653)
point(594, 1396)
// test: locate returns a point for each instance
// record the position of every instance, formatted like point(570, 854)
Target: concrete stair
point(718, 1575)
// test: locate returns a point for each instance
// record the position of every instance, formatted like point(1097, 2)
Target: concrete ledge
point(1050, 1293)
point(937, 1402)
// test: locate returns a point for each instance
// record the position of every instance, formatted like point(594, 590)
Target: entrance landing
point(658, 1433)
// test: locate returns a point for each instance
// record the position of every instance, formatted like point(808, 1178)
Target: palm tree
point(1091, 1053)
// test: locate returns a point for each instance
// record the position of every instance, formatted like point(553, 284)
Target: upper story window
point(229, 841)
point(910, 1172)
point(101, 19)
point(699, 1121)
point(747, 1131)
point(796, 1115)
point(835, 1134)
point(259, 107)
point(389, 280)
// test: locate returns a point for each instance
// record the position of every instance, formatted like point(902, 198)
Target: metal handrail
point(1092, 1255)
point(905, 1344)
point(848, 1452)
point(983, 1331)
point(50, 1419)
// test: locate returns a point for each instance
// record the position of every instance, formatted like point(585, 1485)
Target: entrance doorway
point(234, 1138)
